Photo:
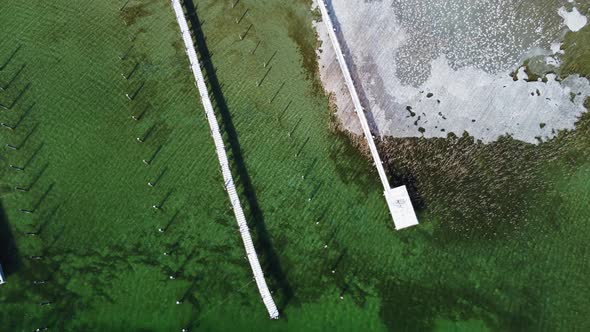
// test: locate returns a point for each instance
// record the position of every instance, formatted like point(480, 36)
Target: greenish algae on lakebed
point(102, 254)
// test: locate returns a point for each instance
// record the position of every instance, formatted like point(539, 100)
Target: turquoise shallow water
point(103, 259)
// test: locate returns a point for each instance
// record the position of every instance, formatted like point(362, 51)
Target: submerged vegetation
point(576, 59)
point(523, 200)
point(503, 226)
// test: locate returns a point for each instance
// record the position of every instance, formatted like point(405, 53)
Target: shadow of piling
point(19, 96)
point(27, 137)
point(172, 220)
point(41, 199)
point(32, 157)
point(47, 219)
point(36, 178)
point(238, 21)
point(5, 87)
point(264, 242)
point(159, 177)
point(24, 116)
point(9, 59)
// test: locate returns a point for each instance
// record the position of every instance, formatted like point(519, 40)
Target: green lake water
point(502, 244)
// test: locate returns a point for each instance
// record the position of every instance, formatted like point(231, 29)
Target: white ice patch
point(486, 106)
point(456, 92)
point(574, 20)
point(556, 48)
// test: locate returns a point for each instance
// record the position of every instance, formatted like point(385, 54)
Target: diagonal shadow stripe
point(9, 256)
point(273, 264)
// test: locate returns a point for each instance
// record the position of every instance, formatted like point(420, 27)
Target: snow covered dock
point(398, 200)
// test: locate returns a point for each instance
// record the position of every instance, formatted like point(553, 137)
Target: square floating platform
point(401, 207)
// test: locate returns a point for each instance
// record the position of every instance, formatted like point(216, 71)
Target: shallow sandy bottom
point(431, 70)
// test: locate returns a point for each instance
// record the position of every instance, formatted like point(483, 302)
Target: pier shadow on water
point(273, 268)
point(399, 177)
point(9, 257)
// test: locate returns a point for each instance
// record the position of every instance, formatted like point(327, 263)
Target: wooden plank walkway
point(398, 200)
point(223, 162)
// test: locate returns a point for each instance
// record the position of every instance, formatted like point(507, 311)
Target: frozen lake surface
point(431, 68)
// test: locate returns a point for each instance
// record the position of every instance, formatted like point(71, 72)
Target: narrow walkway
point(223, 162)
point(398, 200)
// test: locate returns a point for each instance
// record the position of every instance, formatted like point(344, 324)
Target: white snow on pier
point(223, 162)
point(398, 200)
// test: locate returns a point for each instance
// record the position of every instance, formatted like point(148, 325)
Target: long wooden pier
point(398, 200)
point(223, 162)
